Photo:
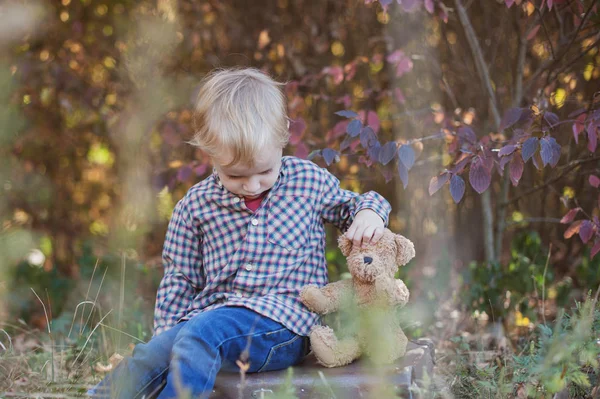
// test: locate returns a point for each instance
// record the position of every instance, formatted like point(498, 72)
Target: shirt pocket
point(289, 221)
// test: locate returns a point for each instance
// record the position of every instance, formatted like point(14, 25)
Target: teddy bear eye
point(368, 260)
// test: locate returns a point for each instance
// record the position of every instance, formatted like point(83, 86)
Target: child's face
point(246, 181)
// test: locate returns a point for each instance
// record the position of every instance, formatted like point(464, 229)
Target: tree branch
point(517, 97)
point(549, 64)
point(482, 69)
point(567, 168)
point(546, 32)
point(587, 13)
point(573, 61)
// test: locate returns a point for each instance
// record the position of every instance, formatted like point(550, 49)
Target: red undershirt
point(254, 203)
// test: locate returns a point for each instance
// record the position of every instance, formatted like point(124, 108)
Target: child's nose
point(252, 185)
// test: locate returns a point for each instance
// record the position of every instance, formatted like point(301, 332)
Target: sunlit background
point(97, 102)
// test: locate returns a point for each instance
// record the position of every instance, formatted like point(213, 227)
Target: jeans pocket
point(284, 354)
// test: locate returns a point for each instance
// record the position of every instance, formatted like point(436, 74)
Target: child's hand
point(367, 228)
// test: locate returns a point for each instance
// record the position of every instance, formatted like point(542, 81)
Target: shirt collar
point(282, 174)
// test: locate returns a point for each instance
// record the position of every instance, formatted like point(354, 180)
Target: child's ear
point(345, 244)
point(405, 250)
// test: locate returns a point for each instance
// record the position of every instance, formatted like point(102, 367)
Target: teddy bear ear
point(405, 250)
point(345, 244)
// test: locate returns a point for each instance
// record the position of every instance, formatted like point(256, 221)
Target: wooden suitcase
point(309, 380)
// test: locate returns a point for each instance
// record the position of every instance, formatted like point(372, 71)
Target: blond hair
point(240, 110)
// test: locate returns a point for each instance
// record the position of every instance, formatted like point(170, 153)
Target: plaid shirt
point(217, 252)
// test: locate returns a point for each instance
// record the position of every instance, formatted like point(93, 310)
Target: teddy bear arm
point(326, 299)
point(401, 293)
point(393, 290)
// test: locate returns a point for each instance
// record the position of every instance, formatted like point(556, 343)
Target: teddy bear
point(375, 292)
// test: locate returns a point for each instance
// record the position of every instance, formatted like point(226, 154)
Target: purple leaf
point(529, 148)
point(479, 176)
point(594, 181)
point(458, 168)
point(555, 152)
point(550, 151)
point(406, 155)
point(409, 5)
point(526, 116)
point(346, 143)
point(347, 114)
point(511, 117)
point(488, 159)
point(330, 155)
point(387, 173)
point(200, 169)
point(374, 151)
point(533, 32)
point(502, 164)
point(569, 216)
point(170, 134)
point(578, 127)
point(429, 6)
point(297, 128)
point(507, 150)
point(399, 96)
point(506, 159)
point(372, 120)
point(403, 172)
point(437, 182)
point(595, 250)
point(405, 65)
point(516, 170)
point(586, 230)
point(387, 153)
point(354, 128)
point(465, 132)
point(572, 229)
point(592, 137)
point(457, 188)
point(184, 173)
point(301, 151)
point(551, 118)
point(338, 130)
point(367, 136)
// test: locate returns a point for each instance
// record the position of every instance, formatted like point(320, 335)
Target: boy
point(239, 247)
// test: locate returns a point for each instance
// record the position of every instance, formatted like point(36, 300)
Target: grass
point(544, 358)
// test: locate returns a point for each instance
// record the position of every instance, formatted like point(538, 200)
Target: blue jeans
point(189, 355)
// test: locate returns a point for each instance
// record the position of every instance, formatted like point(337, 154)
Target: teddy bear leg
point(331, 352)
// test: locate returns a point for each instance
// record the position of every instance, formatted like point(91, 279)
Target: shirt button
point(249, 266)
point(236, 199)
point(254, 222)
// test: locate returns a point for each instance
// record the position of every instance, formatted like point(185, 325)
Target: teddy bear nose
point(368, 260)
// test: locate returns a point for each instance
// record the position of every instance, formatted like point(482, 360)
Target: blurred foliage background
point(97, 98)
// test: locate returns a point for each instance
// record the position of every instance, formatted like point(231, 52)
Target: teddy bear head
point(383, 258)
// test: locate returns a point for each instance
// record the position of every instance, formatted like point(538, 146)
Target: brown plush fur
point(374, 288)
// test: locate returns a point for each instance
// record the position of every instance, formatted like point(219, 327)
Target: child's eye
point(266, 172)
point(234, 177)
